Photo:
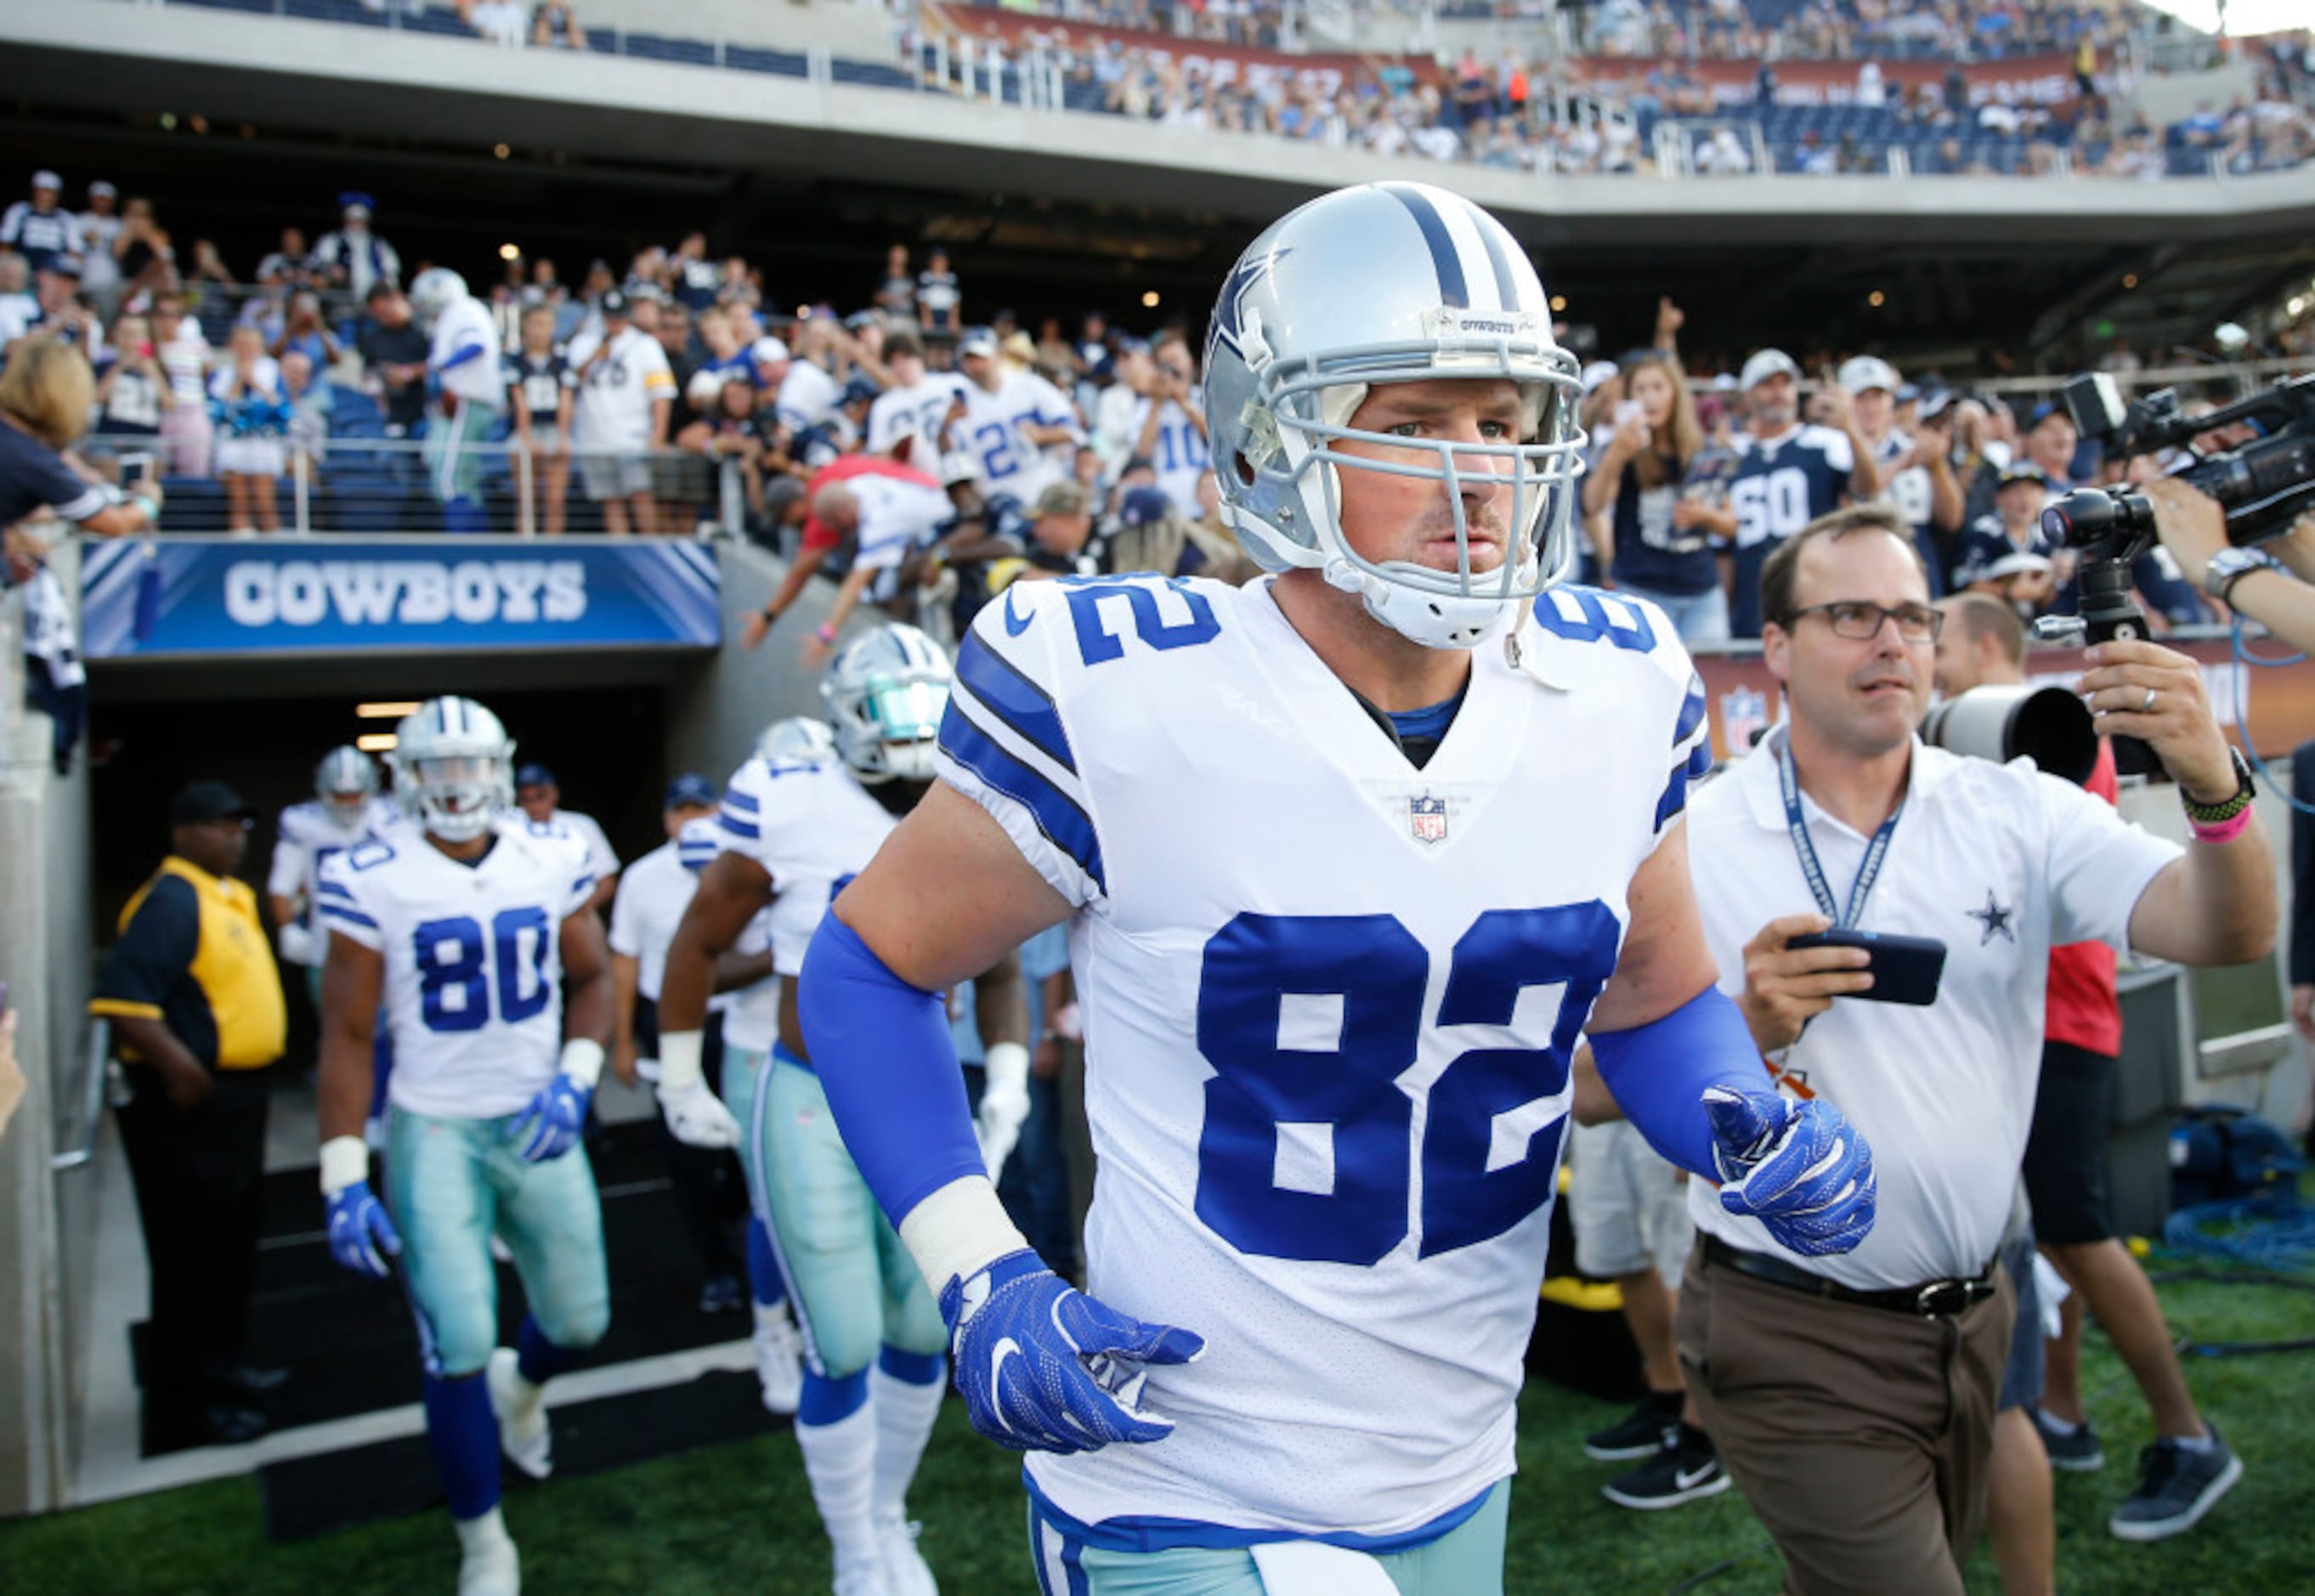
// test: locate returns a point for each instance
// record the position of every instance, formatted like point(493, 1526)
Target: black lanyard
point(1876, 851)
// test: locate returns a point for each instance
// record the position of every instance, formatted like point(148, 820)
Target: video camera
point(2263, 486)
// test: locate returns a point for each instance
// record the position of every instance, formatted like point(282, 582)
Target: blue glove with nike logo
point(1038, 1361)
point(1800, 1169)
point(550, 1122)
point(362, 1235)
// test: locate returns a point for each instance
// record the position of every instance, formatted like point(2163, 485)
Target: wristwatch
point(2226, 809)
point(2229, 566)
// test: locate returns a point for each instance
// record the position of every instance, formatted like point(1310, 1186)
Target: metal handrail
point(82, 1147)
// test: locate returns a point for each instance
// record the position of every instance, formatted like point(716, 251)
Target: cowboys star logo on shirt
point(1426, 818)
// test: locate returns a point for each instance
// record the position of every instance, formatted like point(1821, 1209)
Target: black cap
point(206, 801)
point(613, 303)
point(534, 774)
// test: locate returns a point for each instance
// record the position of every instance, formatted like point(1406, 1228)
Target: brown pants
point(1861, 1437)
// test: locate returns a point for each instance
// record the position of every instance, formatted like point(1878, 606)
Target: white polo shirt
point(653, 892)
point(1998, 862)
point(599, 856)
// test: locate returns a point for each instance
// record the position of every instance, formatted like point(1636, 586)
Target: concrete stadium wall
point(46, 1219)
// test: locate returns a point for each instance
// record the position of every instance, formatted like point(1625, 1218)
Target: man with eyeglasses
point(1853, 1397)
point(195, 1004)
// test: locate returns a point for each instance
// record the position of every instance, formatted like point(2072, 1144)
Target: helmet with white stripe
point(886, 693)
point(345, 781)
point(433, 291)
point(1385, 283)
point(799, 739)
point(453, 767)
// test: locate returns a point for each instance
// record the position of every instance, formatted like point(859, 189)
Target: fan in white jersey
point(907, 421)
point(1170, 426)
point(345, 809)
point(1016, 425)
point(798, 822)
point(472, 929)
point(1435, 807)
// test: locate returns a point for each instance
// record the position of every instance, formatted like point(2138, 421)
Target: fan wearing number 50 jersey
point(472, 928)
point(1350, 857)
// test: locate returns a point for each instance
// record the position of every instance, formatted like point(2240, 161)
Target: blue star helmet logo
point(1230, 307)
point(1995, 919)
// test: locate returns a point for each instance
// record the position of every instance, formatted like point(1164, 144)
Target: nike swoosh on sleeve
point(1016, 624)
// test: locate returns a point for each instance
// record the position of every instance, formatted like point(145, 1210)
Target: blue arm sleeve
point(1658, 1073)
point(883, 1050)
point(461, 355)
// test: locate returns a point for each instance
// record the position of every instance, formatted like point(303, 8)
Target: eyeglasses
point(1860, 622)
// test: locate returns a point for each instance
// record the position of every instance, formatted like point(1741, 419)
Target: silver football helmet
point(886, 693)
point(453, 767)
point(345, 781)
point(1395, 282)
point(799, 739)
point(433, 291)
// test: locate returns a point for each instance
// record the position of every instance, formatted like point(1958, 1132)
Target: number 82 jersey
point(473, 959)
point(1330, 1005)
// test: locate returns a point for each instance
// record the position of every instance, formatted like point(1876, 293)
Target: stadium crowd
point(632, 398)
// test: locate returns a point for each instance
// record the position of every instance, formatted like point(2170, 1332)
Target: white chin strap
point(1434, 620)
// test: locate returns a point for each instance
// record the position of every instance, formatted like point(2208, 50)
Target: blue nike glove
point(1037, 1360)
point(362, 1235)
point(550, 1122)
point(1800, 1169)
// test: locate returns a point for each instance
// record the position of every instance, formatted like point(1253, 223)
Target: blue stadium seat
point(781, 63)
point(689, 52)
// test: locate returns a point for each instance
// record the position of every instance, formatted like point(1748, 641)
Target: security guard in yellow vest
point(196, 1008)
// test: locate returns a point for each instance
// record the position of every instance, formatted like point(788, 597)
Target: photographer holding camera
point(1853, 1397)
point(2267, 583)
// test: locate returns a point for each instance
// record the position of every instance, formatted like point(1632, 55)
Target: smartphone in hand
point(1904, 968)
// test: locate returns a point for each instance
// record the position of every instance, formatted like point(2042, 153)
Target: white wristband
point(1006, 1065)
point(958, 1231)
point(678, 1060)
point(345, 1162)
point(583, 1060)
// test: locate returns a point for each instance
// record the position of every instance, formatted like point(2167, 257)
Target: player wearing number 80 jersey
point(1437, 809)
point(463, 925)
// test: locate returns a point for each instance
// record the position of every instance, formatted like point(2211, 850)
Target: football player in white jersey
point(472, 926)
point(462, 366)
point(345, 809)
point(797, 825)
point(1435, 802)
point(1015, 425)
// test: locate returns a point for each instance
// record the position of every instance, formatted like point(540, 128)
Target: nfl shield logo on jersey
point(1426, 817)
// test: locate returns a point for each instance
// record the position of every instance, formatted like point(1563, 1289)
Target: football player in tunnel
point(1350, 855)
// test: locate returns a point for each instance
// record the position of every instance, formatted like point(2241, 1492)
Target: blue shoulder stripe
point(1013, 699)
point(738, 827)
point(330, 889)
point(745, 802)
point(1691, 711)
point(1675, 795)
point(1067, 827)
point(338, 911)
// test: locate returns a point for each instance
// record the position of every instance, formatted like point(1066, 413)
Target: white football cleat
point(905, 1568)
point(860, 1576)
point(779, 1360)
point(490, 1567)
point(524, 1435)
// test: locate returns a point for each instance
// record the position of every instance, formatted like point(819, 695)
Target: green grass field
point(737, 1518)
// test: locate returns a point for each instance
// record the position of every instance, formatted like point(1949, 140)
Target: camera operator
point(2267, 584)
point(1853, 1398)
